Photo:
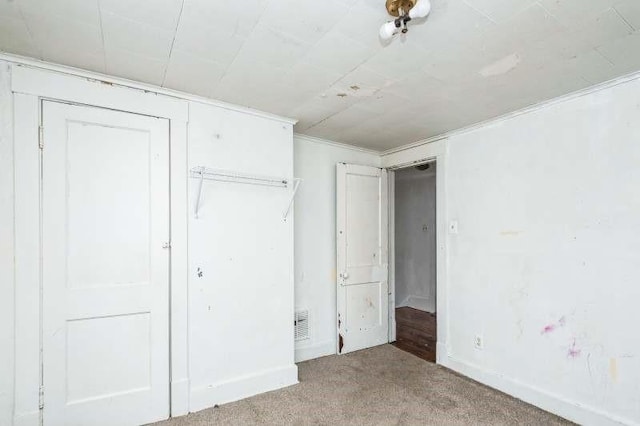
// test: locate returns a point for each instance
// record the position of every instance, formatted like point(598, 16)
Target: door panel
point(99, 184)
point(105, 219)
point(362, 310)
point(93, 339)
point(363, 221)
point(362, 234)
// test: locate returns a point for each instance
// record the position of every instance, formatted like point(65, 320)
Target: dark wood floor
point(416, 332)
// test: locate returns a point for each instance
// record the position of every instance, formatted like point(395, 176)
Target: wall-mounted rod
point(237, 177)
point(204, 173)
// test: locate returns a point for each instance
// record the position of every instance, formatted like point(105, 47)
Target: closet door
point(362, 235)
point(105, 266)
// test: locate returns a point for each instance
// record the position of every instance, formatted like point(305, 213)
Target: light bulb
point(388, 30)
point(420, 10)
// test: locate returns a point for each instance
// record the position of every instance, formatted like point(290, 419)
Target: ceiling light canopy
point(405, 11)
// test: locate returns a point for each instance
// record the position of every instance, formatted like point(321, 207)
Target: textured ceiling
point(321, 61)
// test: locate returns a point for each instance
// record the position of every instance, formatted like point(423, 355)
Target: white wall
point(241, 308)
point(6, 247)
point(241, 259)
point(315, 237)
point(415, 238)
point(545, 263)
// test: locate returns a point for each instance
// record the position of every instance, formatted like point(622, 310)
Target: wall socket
point(478, 342)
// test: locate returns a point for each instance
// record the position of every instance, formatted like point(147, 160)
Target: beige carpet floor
point(377, 386)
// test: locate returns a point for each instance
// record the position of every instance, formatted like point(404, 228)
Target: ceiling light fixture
point(405, 11)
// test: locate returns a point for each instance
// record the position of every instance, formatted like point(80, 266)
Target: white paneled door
point(362, 264)
point(105, 266)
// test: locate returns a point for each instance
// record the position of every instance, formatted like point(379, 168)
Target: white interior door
point(105, 266)
point(362, 264)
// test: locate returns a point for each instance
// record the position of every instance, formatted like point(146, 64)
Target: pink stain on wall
point(552, 327)
point(573, 352)
point(548, 329)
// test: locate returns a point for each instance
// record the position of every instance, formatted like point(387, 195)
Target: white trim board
point(236, 389)
point(179, 308)
point(111, 80)
point(35, 63)
point(7, 214)
point(437, 151)
point(305, 353)
point(322, 141)
point(532, 108)
point(420, 303)
point(57, 86)
point(391, 214)
point(571, 410)
point(27, 260)
point(30, 87)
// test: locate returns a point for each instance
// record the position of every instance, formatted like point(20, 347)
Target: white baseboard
point(441, 354)
point(305, 353)
point(242, 387)
point(418, 302)
point(571, 410)
point(179, 397)
point(421, 303)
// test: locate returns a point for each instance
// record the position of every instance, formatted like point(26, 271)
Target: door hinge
point(40, 137)
point(41, 397)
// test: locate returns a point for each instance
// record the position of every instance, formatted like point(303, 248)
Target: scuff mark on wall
point(340, 340)
point(199, 273)
point(509, 233)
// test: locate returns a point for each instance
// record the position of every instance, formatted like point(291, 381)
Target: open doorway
point(414, 257)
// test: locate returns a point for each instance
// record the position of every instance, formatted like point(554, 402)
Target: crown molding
point(36, 63)
point(314, 139)
point(532, 108)
point(91, 75)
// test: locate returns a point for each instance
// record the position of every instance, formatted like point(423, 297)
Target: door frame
point(432, 152)
point(30, 86)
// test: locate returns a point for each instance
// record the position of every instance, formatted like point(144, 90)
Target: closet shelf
point(204, 173)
